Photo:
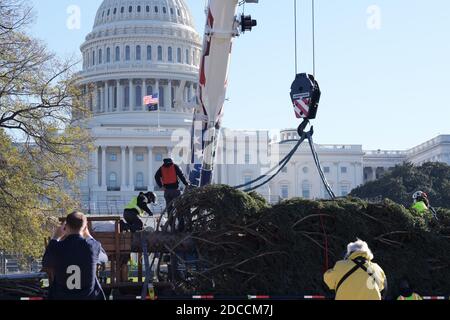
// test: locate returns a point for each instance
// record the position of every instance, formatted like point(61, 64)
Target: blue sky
point(384, 88)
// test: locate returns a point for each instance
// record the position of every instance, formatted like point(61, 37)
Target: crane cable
point(282, 164)
point(280, 167)
point(319, 168)
point(313, 19)
point(286, 159)
point(295, 37)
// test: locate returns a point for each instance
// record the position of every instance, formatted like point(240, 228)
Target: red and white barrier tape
point(258, 297)
point(314, 297)
point(250, 297)
point(435, 298)
point(204, 297)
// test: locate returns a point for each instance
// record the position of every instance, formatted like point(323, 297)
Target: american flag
point(151, 101)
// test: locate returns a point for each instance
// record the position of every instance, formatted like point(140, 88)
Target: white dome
point(139, 48)
point(114, 11)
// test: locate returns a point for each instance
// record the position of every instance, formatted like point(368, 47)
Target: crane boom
point(222, 26)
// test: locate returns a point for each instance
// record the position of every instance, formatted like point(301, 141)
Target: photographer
point(71, 260)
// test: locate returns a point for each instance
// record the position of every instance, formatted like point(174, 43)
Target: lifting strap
point(279, 167)
point(359, 264)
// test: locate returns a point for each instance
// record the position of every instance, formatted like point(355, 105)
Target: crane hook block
point(305, 95)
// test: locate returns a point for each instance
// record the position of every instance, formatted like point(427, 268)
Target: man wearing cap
point(71, 259)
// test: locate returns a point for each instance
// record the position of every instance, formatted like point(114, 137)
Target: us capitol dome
point(136, 48)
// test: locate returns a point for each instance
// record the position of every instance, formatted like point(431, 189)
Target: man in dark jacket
point(167, 177)
point(71, 259)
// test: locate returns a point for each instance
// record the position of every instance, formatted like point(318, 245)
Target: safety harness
point(359, 264)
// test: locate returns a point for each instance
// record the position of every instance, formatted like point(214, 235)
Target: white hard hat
point(419, 194)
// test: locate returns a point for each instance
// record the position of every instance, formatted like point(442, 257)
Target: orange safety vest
point(169, 175)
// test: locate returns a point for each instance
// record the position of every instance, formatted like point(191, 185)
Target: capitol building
point(147, 47)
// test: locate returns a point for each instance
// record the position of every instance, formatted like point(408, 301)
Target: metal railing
point(116, 207)
point(9, 264)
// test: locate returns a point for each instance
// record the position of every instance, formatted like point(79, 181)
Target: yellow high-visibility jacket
point(360, 285)
point(133, 204)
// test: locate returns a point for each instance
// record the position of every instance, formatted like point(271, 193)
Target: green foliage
point(248, 247)
point(400, 184)
point(25, 219)
point(43, 147)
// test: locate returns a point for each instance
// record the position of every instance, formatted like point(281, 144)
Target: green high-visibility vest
point(414, 296)
point(133, 205)
point(420, 206)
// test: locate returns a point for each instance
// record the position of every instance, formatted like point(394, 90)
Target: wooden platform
point(110, 243)
point(119, 246)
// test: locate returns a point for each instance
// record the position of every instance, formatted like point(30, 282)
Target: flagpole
point(159, 127)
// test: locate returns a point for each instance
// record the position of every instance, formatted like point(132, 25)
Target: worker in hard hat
point(421, 202)
point(406, 292)
point(167, 178)
point(357, 277)
point(136, 208)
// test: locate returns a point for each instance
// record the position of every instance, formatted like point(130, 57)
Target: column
point(102, 99)
point(95, 97)
point(151, 174)
point(131, 168)
point(123, 178)
point(337, 187)
point(95, 167)
point(143, 93)
point(189, 93)
point(111, 98)
point(176, 104)
point(156, 90)
point(106, 96)
point(192, 90)
point(170, 95)
point(132, 95)
point(358, 176)
point(85, 96)
point(103, 167)
point(120, 105)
